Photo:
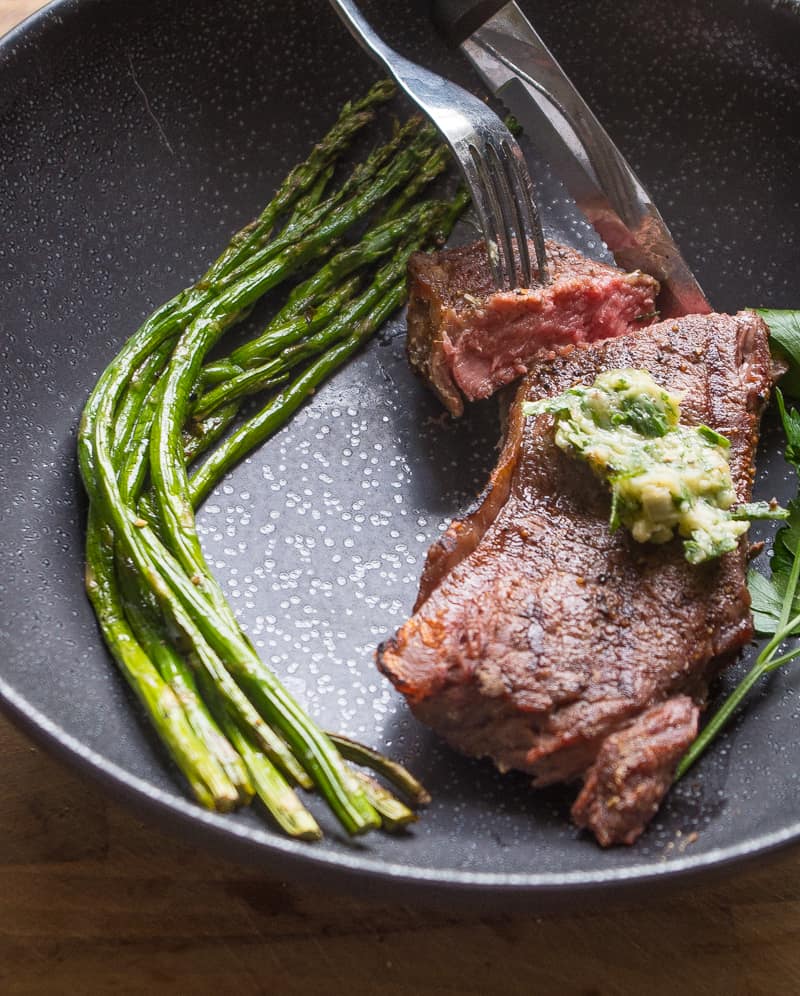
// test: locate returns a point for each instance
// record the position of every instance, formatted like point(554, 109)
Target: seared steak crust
point(634, 768)
point(467, 340)
point(538, 633)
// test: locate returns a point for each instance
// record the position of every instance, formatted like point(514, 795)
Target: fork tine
point(517, 196)
point(483, 209)
point(527, 211)
point(512, 228)
point(487, 207)
point(498, 180)
point(497, 191)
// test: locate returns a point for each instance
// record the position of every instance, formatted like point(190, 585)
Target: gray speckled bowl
point(136, 137)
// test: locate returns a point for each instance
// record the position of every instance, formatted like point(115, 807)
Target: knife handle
point(457, 19)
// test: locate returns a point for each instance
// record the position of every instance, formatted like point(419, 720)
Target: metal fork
point(488, 155)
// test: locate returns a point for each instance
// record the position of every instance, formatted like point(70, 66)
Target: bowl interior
point(137, 137)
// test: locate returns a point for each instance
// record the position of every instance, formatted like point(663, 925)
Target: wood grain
point(12, 11)
point(93, 901)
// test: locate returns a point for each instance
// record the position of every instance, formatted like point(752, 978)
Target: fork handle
point(457, 19)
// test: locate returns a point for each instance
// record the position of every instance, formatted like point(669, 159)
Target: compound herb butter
point(665, 477)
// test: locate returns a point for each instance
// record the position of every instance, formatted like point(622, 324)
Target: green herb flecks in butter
point(664, 476)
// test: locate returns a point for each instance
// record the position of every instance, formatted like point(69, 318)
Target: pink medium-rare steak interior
point(539, 635)
point(468, 340)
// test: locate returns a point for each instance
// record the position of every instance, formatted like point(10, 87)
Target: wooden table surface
point(94, 901)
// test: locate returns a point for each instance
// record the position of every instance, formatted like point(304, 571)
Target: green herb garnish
point(775, 598)
point(784, 335)
point(665, 478)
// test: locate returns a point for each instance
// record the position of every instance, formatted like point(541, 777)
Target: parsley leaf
point(791, 426)
point(643, 415)
point(766, 601)
point(784, 332)
point(768, 594)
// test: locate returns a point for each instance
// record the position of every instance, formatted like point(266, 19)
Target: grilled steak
point(467, 340)
point(552, 645)
point(634, 767)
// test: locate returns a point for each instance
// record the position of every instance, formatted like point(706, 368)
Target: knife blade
point(519, 69)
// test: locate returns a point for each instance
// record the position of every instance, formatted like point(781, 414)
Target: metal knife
point(520, 70)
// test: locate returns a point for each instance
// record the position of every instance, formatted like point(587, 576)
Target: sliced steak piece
point(539, 635)
point(634, 768)
point(467, 340)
